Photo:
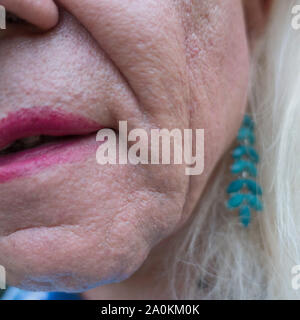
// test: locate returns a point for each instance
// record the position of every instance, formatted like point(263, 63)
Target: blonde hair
point(216, 258)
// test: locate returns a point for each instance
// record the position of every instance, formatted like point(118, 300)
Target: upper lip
point(43, 121)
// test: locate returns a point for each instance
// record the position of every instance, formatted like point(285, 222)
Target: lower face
point(66, 222)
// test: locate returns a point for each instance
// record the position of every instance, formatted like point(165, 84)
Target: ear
point(256, 15)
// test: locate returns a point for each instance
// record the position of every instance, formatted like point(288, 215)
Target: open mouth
point(39, 137)
point(32, 143)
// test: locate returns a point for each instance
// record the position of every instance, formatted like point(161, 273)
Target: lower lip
point(28, 162)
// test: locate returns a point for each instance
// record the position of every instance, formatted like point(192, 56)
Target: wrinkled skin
point(155, 63)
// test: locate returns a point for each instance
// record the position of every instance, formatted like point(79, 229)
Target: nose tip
point(40, 13)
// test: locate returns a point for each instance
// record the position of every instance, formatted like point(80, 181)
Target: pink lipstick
point(72, 138)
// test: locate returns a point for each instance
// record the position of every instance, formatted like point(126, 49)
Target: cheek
point(220, 65)
point(218, 58)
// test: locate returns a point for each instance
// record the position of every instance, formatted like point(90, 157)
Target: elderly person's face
point(66, 222)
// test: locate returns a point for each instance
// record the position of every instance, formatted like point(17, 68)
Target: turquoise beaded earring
point(245, 192)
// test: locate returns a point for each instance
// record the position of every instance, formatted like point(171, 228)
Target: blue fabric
point(18, 294)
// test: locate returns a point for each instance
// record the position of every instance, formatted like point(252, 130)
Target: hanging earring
point(245, 192)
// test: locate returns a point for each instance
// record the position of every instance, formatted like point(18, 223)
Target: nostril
point(40, 13)
point(13, 19)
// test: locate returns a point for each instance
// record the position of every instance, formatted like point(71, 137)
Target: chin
point(57, 259)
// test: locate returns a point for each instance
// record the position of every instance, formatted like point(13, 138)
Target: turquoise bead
point(253, 154)
point(241, 151)
point(237, 185)
point(238, 152)
point(235, 201)
point(248, 122)
point(245, 215)
point(246, 134)
point(254, 187)
point(243, 165)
